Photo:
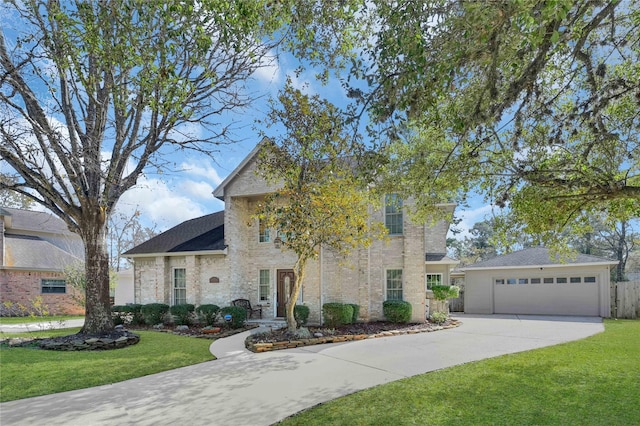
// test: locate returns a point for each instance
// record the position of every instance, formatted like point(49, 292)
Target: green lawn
point(29, 319)
point(595, 381)
point(31, 372)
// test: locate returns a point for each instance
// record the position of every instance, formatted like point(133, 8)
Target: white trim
point(385, 278)
point(179, 253)
point(399, 212)
point(563, 265)
point(270, 286)
point(433, 273)
point(173, 284)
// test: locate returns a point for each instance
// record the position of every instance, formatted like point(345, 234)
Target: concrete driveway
point(259, 389)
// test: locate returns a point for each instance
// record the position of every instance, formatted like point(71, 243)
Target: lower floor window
point(265, 282)
point(179, 286)
point(433, 279)
point(394, 284)
point(49, 286)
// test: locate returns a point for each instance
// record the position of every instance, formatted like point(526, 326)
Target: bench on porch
point(244, 303)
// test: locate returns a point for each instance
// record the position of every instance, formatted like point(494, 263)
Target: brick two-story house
point(227, 255)
point(35, 248)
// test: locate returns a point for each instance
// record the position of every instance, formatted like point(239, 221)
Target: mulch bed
point(259, 342)
point(115, 339)
point(196, 331)
point(283, 339)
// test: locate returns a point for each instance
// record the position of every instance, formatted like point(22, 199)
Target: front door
point(285, 283)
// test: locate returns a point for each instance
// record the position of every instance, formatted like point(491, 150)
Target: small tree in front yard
point(442, 293)
point(320, 200)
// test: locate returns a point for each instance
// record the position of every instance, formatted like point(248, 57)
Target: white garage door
point(546, 295)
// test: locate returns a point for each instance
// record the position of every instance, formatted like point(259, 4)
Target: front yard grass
point(30, 372)
point(595, 381)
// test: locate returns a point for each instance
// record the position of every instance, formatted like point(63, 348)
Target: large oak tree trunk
point(98, 314)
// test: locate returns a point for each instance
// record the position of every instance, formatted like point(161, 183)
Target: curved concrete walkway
point(244, 388)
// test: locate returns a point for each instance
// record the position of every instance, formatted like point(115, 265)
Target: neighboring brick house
point(34, 250)
point(227, 255)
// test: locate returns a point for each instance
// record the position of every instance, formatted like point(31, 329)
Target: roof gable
point(537, 256)
point(202, 233)
point(219, 192)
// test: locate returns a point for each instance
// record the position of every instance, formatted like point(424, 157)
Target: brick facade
point(35, 246)
point(25, 288)
point(360, 279)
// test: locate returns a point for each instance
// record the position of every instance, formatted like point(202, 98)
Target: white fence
point(625, 299)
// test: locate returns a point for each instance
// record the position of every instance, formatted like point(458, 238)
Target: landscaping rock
point(84, 342)
point(282, 339)
point(303, 333)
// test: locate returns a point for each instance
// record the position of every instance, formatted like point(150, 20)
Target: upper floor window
point(264, 233)
point(393, 214)
point(394, 284)
point(49, 286)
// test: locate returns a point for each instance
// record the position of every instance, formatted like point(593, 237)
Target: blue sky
point(167, 199)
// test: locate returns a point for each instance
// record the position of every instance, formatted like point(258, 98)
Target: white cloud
point(159, 205)
point(269, 70)
point(199, 190)
point(201, 168)
point(469, 218)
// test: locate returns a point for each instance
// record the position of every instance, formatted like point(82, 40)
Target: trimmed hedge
point(356, 312)
point(337, 314)
point(301, 314)
point(397, 311)
point(182, 313)
point(238, 315)
point(154, 313)
point(207, 313)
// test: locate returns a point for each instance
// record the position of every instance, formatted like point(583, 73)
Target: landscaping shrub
point(301, 314)
point(356, 312)
point(182, 313)
point(397, 311)
point(337, 314)
point(127, 314)
point(444, 292)
point(118, 315)
point(154, 313)
point(207, 314)
point(238, 315)
point(439, 317)
point(134, 313)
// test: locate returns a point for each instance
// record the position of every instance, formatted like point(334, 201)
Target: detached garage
point(531, 282)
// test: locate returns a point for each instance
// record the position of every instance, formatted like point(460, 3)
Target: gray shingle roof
point(202, 233)
point(439, 257)
point(27, 220)
point(31, 252)
point(536, 256)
